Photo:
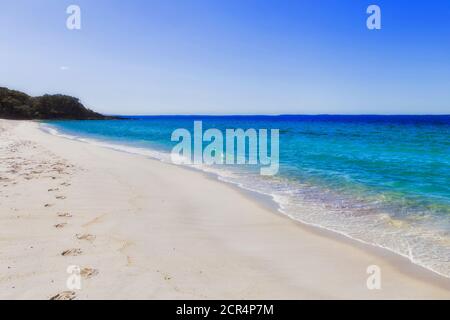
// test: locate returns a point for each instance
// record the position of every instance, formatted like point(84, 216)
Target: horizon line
point(281, 115)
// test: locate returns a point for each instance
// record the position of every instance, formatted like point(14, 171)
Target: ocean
point(381, 180)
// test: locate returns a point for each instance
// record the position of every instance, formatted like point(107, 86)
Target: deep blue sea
point(383, 180)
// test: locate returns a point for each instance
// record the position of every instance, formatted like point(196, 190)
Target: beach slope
point(138, 228)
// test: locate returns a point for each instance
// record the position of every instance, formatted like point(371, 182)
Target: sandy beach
point(142, 229)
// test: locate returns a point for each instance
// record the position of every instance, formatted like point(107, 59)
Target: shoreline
point(403, 263)
point(267, 200)
point(246, 221)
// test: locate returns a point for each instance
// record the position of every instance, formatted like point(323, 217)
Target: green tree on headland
point(20, 106)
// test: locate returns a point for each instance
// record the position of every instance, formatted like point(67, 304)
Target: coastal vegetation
point(20, 106)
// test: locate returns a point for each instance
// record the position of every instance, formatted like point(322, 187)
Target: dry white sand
point(139, 228)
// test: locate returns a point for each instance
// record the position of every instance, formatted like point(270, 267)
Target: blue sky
point(232, 56)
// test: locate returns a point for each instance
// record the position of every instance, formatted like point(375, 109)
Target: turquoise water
point(383, 180)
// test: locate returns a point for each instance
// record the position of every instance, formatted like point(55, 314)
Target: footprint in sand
point(166, 276)
point(60, 225)
point(64, 215)
point(72, 252)
point(93, 221)
point(65, 295)
point(88, 272)
point(85, 236)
